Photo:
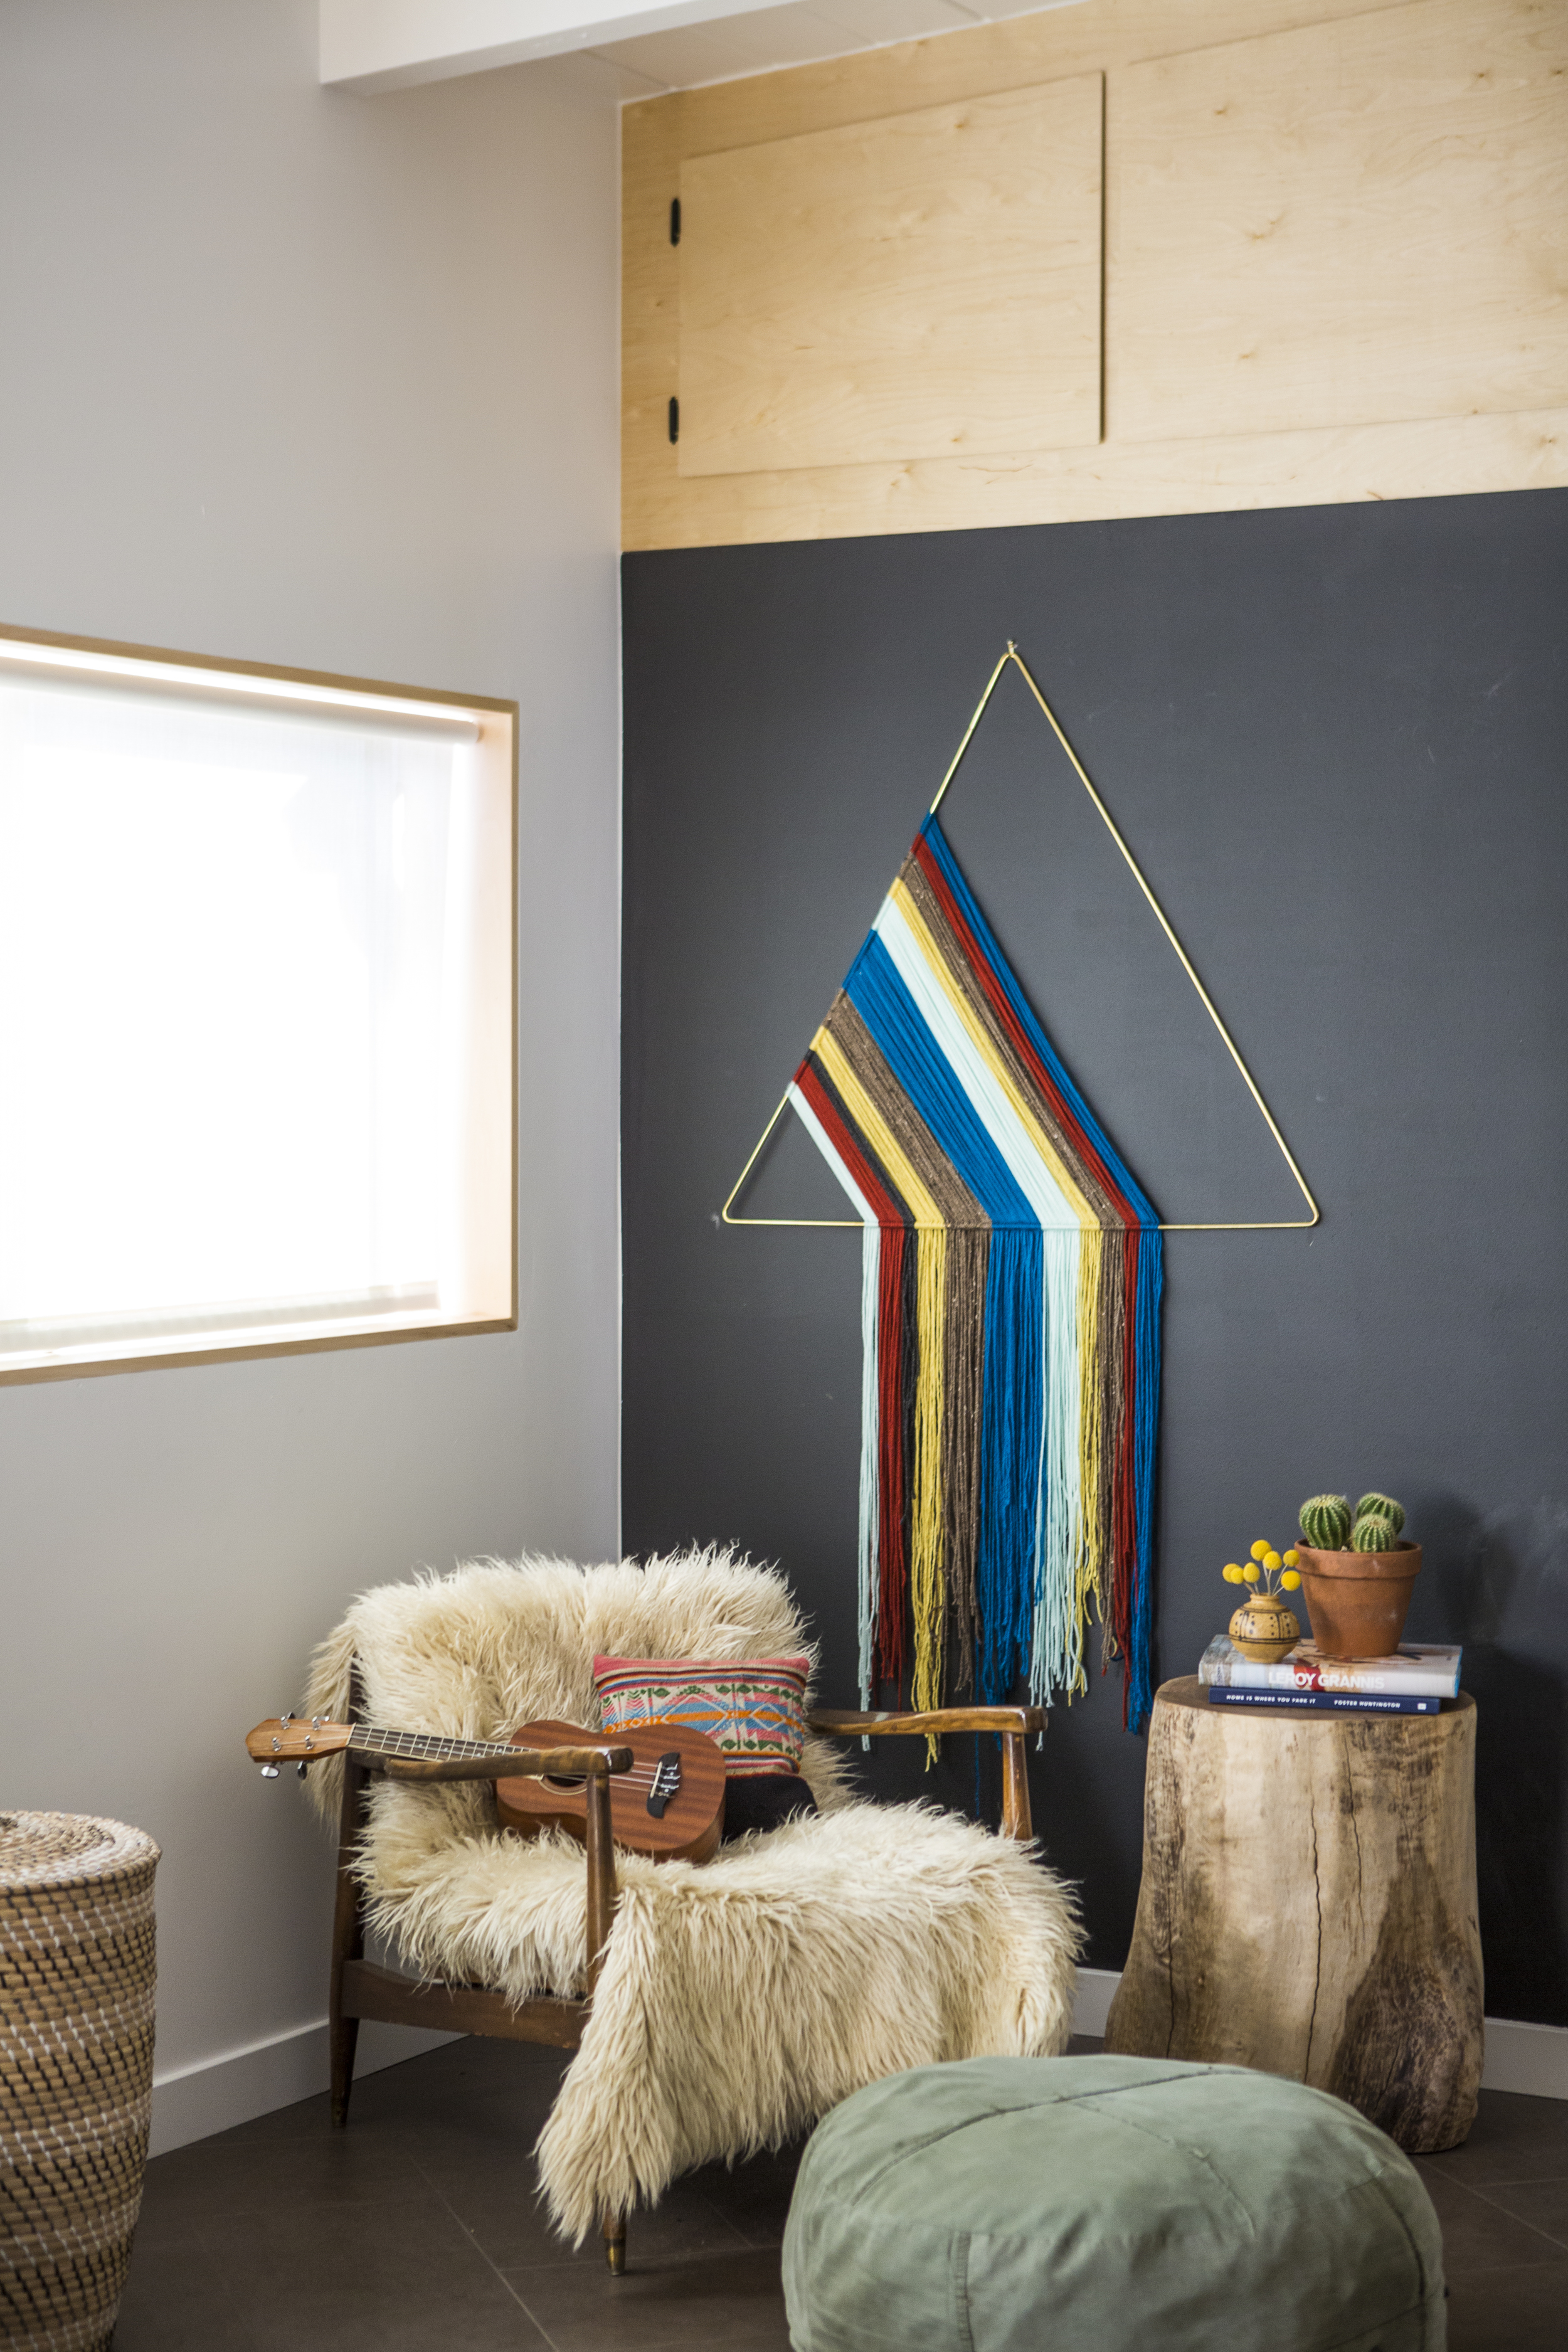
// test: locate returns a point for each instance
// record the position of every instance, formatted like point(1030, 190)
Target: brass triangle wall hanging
point(1255, 1225)
point(1012, 1274)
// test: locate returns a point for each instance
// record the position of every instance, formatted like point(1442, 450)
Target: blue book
point(1324, 1702)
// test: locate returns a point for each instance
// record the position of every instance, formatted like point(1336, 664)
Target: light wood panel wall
point(1352, 282)
point(920, 286)
point(1351, 223)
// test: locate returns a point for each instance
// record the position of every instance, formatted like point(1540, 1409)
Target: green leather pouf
point(1108, 2205)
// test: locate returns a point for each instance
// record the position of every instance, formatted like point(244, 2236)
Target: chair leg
point(603, 1896)
point(1016, 1820)
point(348, 1931)
point(342, 2038)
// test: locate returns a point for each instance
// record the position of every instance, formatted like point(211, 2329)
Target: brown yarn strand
point(1107, 1533)
point(893, 1562)
point(1102, 1399)
point(1117, 1532)
point(968, 1262)
point(960, 972)
point(967, 1245)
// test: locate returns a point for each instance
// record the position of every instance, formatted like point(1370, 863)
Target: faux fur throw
point(740, 2000)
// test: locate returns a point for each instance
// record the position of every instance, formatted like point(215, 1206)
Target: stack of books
point(1414, 1680)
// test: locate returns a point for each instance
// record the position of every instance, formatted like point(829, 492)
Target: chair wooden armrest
point(1013, 1723)
point(844, 1723)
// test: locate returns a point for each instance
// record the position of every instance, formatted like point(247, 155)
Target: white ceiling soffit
point(370, 45)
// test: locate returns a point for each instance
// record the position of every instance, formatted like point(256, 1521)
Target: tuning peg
point(300, 1770)
point(269, 1771)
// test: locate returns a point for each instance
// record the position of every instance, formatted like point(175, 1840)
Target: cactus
point(1375, 1535)
point(1381, 1506)
point(1326, 1522)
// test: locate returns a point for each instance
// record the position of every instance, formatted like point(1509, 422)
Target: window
point(257, 1030)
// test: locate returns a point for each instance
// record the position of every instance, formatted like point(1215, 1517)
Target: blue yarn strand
point(875, 989)
point(1013, 1410)
point(1022, 1535)
point(985, 939)
point(1145, 1448)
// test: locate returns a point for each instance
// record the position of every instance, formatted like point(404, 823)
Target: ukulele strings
point(424, 1746)
point(428, 1744)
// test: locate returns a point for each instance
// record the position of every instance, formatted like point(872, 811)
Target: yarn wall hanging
point(1012, 1272)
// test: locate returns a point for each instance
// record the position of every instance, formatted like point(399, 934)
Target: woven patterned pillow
point(755, 1707)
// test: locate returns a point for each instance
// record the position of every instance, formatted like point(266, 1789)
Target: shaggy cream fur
point(738, 2001)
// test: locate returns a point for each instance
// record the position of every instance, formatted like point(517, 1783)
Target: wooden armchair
point(1013, 1723)
point(361, 1988)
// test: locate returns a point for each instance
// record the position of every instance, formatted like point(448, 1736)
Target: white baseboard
point(1095, 1987)
point(191, 2102)
point(215, 2094)
point(1524, 2057)
point(1520, 2056)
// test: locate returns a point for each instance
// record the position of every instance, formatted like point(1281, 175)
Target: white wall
point(295, 376)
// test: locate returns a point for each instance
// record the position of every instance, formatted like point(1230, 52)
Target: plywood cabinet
point(1346, 223)
point(1334, 266)
point(926, 286)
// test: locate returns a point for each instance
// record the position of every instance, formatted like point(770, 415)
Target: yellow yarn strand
point(1078, 1200)
point(874, 1128)
point(928, 1580)
point(1089, 1577)
point(1089, 1565)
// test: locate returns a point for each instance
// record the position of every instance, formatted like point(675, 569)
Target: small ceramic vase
point(1265, 1631)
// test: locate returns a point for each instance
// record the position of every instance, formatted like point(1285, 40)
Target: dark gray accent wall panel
point(1335, 738)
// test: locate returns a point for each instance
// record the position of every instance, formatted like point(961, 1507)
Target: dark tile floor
point(415, 2230)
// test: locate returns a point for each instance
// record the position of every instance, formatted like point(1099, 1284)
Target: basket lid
point(63, 1849)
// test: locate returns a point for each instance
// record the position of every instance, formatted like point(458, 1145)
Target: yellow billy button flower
point(1252, 1572)
point(1292, 1558)
point(1291, 1580)
point(1271, 1560)
point(1232, 1572)
point(1259, 1548)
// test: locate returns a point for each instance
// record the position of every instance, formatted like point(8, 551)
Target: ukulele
point(670, 1805)
point(667, 1782)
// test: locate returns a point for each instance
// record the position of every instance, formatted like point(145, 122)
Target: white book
point(1417, 1669)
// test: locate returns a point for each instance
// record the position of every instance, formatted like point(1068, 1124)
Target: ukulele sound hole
point(553, 1781)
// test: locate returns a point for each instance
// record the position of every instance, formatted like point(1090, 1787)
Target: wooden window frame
point(299, 688)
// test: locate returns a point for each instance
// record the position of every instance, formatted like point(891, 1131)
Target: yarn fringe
point(1011, 1285)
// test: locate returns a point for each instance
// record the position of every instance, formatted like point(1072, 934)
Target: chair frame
point(360, 1989)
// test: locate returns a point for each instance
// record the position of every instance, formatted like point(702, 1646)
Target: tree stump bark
point(1309, 1906)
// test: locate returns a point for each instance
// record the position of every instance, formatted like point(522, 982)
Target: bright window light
point(255, 1011)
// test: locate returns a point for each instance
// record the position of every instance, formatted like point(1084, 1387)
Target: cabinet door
point(1351, 223)
point(924, 286)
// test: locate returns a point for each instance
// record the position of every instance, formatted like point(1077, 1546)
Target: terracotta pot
point(1358, 1600)
point(1265, 1631)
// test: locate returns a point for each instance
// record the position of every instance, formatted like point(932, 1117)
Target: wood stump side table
point(1307, 1905)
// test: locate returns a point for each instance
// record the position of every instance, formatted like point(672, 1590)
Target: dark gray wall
point(1335, 739)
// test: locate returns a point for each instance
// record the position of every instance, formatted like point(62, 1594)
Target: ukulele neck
point(427, 1746)
point(429, 1756)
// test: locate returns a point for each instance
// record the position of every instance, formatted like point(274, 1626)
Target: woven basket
point(77, 1979)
